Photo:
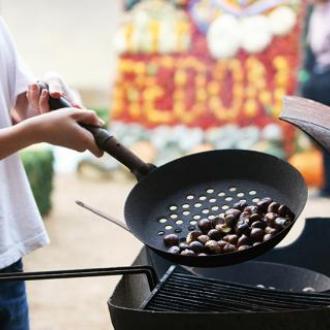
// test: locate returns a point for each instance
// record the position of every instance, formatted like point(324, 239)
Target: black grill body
point(311, 249)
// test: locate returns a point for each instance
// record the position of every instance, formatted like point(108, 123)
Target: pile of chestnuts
point(239, 228)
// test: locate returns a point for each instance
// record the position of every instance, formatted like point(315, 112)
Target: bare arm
point(60, 127)
point(15, 138)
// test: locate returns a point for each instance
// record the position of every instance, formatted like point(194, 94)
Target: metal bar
point(76, 273)
point(183, 293)
point(246, 289)
point(255, 296)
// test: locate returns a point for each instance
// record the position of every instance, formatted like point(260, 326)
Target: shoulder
point(5, 36)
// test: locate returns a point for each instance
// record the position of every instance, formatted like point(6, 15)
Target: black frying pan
point(173, 197)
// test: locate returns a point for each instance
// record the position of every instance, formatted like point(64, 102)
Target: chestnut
point(232, 239)
point(267, 237)
point(230, 220)
point(281, 222)
point(243, 247)
point(212, 247)
point(257, 234)
point(174, 249)
point(282, 210)
point(219, 220)
point(270, 230)
point(203, 238)
point(224, 229)
point(242, 228)
point(193, 235)
point(183, 245)
point(222, 244)
point(264, 203)
point(196, 246)
point(243, 240)
point(254, 217)
point(273, 207)
point(259, 224)
point(251, 209)
point(214, 234)
point(171, 239)
point(240, 205)
point(270, 218)
point(187, 253)
point(233, 212)
point(228, 248)
point(205, 225)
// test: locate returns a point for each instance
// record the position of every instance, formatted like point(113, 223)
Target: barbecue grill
point(181, 300)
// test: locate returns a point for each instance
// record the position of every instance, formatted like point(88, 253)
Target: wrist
point(30, 131)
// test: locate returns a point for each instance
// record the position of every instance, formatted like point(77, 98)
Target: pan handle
point(106, 141)
point(103, 215)
point(88, 272)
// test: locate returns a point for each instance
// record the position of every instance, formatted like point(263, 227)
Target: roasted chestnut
point(193, 235)
point(188, 253)
point(232, 239)
point(243, 240)
point(243, 247)
point(212, 247)
point(257, 234)
point(171, 239)
point(264, 203)
point(273, 207)
point(215, 234)
point(205, 225)
point(196, 246)
point(228, 248)
point(240, 205)
point(203, 238)
point(174, 249)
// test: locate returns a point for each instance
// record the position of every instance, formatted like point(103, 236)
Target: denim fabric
point(13, 302)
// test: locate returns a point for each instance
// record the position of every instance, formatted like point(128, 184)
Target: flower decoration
point(282, 20)
point(249, 26)
point(224, 36)
point(255, 33)
point(154, 26)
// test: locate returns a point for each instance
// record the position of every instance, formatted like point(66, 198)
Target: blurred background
point(170, 78)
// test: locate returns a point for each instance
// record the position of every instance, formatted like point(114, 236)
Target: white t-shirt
point(21, 227)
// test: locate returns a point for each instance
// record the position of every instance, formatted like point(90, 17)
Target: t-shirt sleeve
point(23, 77)
point(19, 75)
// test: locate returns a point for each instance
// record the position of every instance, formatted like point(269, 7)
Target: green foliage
point(39, 167)
point(103, 113)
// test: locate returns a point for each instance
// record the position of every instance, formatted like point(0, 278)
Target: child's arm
point(60, 127)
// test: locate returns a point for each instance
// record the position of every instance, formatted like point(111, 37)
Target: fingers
point(89, 143)
point(55, 84)
point(88, 117)
point(43, 102)
point(32, 95)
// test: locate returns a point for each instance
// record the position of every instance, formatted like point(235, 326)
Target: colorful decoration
point(154, 26)
point(252, 33)
point(215, 64)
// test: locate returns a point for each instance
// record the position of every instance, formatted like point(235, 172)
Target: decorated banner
point(212, 72)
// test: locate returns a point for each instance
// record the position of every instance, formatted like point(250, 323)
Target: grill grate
point(183, 292)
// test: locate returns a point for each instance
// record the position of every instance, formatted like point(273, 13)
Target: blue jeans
point(13, 303)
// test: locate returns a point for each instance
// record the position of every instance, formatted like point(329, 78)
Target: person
point(21, 226)
point(316, 70)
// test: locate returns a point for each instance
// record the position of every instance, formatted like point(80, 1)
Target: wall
point(71, 37)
